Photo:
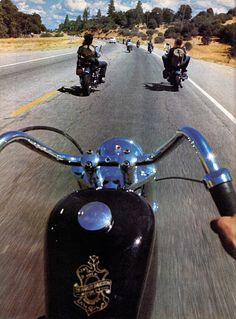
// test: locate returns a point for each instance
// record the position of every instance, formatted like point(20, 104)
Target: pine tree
point(66, 24)
point(99, 14)
point(86, 14)
point(78, 24)
point(111, 9)
point(139, 12)
point(139, 8)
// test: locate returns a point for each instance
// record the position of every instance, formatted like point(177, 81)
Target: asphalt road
point(195, 277)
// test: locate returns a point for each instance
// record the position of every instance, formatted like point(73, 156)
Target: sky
point(53, 12)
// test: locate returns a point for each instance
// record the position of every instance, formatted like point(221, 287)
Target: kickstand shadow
point(74, 90)
point(160, 87)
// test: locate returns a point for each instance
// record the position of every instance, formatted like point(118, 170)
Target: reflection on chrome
point(138, 241)
point(95, 216)
point(37, 146)
point(121, 163)
point(155, 206)
point(214, 173)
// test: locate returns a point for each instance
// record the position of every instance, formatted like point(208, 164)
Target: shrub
point(205, 40)
point(188, 46)
point(125, 32)
point(227, 34)
point(46, 35)
point(232, 51)
point(152, 24)
point(170, 33)
point(159, 39)
point(58, 35)
point(137, 34)
point(150, 32)
point(194, 32)
point(105, 29)
point(72, 33)
point(187, 37)
point(94, 28)
point(135, 29)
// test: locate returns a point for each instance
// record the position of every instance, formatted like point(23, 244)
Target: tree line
point(181, 23)
point(14, 23)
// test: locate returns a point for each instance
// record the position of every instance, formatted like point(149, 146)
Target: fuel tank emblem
point(93, 288)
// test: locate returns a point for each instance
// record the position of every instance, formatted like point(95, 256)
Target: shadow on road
point(159, 87)
point(74, 90)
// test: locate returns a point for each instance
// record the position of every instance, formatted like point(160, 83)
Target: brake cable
point(53, 129)
point(179, 177)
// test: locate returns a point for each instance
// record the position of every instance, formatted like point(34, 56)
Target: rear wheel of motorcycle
point(86, 85)
point(177, 83)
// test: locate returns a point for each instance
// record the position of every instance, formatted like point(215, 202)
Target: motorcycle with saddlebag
point(175, 73)
point(87, 69)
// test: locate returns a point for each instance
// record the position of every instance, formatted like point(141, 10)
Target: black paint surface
point(123, 251)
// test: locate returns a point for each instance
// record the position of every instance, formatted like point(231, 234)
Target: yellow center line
point(33, 103)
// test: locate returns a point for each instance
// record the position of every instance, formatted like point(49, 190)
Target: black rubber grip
point(224, 197)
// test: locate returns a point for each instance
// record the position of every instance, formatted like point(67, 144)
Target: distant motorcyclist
point(90, 53)
point(150, 46)
point(129, 45)
point(176, 53)
point(138, 44)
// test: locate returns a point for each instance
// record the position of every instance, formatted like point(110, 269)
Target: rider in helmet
point(88, 52)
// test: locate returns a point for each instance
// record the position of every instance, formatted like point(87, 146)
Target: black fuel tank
point(97, 273)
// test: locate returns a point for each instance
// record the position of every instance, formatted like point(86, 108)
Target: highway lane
point(217, 80)
point(195, 277)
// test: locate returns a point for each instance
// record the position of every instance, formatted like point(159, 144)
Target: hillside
point(214, 52)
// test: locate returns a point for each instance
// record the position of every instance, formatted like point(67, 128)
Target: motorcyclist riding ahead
point(176, 57)
point(90, 53)
point(129, 45)
point(150, 46)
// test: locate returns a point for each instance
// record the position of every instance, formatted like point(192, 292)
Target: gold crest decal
point(93, 287)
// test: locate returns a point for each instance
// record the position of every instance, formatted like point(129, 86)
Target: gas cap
point(95, 216)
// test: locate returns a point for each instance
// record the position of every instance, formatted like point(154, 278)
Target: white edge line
point(217, 104)
point(35, 60)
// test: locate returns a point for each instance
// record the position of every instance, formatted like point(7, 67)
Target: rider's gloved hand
point(225, 227)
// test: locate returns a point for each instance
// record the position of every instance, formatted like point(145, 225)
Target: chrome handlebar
point(215, 175)
point(37, 146)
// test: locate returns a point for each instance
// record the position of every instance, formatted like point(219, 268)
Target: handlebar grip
point(224, 197)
